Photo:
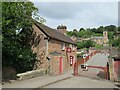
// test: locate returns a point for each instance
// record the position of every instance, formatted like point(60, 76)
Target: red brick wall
point(55, 46)
point(116, 70)
point(43, 48)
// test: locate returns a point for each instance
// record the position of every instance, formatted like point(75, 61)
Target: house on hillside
point(102, 40)
point(56, 52)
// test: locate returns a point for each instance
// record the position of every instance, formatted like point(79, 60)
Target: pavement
point(38, 82)
point(66, 80)
point(82, 82)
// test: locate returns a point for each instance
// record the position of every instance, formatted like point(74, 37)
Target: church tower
point(105, 37)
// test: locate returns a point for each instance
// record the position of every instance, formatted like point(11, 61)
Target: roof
point(116, 58)
point(97, 37)
point(54, 34)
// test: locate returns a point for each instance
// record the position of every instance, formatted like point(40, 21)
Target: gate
point(91, 71)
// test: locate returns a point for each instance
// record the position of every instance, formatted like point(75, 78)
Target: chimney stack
point(62, 29)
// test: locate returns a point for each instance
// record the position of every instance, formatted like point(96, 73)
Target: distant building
point(98, 40)
point(102, 40)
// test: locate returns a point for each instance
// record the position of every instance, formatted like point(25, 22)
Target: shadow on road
point(101, 74)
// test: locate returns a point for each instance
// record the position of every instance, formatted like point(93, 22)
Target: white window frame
point(73, 47)
point(70, 46)
point(63, 46)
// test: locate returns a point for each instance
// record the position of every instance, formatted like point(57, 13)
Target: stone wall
point(39, 46)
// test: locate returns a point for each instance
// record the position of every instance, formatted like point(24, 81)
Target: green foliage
point(98, 46)
point(16, 25)
point(118, 28)
point(116, 42)
point(110, 28)
point(82, 33)
point(110, 35)
point(88, 33)
point(69, 33)
point(81, 29)
point(75, 32)
point(80, 45)
point(87, 44)
point(79, 56)
point(98, 34)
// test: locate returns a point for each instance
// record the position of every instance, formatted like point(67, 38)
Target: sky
point(76, 15)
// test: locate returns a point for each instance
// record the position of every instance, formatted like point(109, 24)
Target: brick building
point(114, 63)
point(103, 40)
point(56, 52)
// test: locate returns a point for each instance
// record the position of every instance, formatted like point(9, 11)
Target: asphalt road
point(97, 60)
point(81, 82)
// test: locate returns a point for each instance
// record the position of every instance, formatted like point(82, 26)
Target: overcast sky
point(76, 15)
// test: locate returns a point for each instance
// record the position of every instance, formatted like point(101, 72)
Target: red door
point(61, 65)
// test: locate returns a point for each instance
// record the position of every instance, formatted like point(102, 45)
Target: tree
point(89, 43)
point(85, 44)
point(100, 29)
point(112, 28)
point(116, 42)
point(119, 28)
point(16, 25)
point(69, 33)
point(80, 45)
point(75, 32)
point(110, 35)
point(81, 29)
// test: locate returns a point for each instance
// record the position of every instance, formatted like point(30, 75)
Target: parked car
point(84, 67)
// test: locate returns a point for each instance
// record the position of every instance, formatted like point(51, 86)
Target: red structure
point(75, 69)
point(68, 49)
point(103, 68)
point(78, 62)
point(116, 68)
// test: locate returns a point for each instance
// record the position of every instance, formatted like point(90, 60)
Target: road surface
point(81, 82)
point(97, 60)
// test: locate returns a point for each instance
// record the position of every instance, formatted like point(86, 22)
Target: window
point(73, 47)
point(63, 46)
point(70, 46)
